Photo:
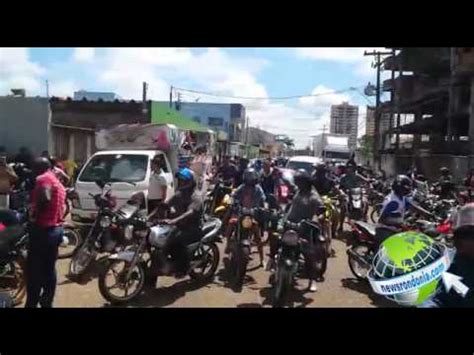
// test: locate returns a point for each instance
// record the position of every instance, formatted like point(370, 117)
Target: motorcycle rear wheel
point(138, 275)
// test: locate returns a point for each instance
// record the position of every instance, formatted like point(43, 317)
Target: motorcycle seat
point(9, 237)
point(366, 227)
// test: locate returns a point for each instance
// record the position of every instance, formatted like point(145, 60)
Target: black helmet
point(302, 178)
point(320, 167)
point(186, 179)
point(250, 177)
point(444, 170)
point(402, 185)
point(463, 219)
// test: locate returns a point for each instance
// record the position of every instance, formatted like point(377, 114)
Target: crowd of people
point(255, 185)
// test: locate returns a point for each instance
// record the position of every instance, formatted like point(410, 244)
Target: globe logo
point(408, 268)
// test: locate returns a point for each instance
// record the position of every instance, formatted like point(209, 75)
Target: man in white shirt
point(157, 188)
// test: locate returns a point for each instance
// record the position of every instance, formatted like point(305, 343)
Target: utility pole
point(378, 112)
point(47, 89)
point(171, 97)
point(247, 122)
point(145, 87)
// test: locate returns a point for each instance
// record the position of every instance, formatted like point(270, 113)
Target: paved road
point(340, 289)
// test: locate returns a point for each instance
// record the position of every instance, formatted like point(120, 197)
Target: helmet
point(302, 178)
point(250, 177)
point(320, 167)
point(402, 185)
point(444, 170)
point(464, 219)
point(186, 179)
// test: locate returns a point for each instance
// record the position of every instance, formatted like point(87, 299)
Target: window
point(197, 119)
point(215, 121)
point(116, 168)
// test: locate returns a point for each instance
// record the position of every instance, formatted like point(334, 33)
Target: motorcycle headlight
point(105, 222)
point(128, 232)
point(226, 200)
point(247, 222)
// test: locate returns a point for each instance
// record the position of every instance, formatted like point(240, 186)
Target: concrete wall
point(428, 166)
point(24, 122)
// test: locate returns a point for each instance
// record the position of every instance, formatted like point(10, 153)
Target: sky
point(261, 75)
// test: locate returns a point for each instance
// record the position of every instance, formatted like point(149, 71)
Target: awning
point(163, 114)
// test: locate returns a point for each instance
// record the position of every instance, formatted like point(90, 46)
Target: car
point(303, 162)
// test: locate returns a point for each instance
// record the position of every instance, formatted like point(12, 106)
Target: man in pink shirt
point(47, 212)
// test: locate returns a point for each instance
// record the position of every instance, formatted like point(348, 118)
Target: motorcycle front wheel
point(238, 264)
point(74, 240)
point(81, 259)
point(356, 257)
point(115, 287)
point(207, 260)
point(282, 287)
point(13, 280)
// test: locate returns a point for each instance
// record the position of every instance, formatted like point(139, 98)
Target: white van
point(128, 171)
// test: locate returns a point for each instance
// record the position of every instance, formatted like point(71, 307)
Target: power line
point(266, 98)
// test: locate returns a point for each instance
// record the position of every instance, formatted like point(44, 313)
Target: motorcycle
point(13, 244)
point(289, 259)
point(240, 243)
point(145, 258)
point(106, 234)
point(356, 205)
point(361, 248)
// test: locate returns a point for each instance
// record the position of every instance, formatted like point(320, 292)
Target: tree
point(366, 147)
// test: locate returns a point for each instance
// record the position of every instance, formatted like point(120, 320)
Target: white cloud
point(64, 88)
point(83, 54)
point(18, 71)
point(355, 56)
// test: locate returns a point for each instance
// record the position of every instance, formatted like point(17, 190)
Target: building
point(63, 127)
point(229, 118)
point(266, 142)
point(345, 120)
point(370, 121)
point(430, 112)
point(95, 96)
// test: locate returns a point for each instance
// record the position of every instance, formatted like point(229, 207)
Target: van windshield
point(115, 168)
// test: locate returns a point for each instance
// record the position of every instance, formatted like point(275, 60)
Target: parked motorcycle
point(106, 233)
point(361, 248)
point(13, 242)
point(289, 259)
point(127, 270)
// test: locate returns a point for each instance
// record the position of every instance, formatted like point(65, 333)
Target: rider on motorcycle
point(323, 183)
point(394, 207)
point(250, 195)
point(445, 183)
point(306, 205)
point(463, 262)
point(186, 210)
point(350, 180)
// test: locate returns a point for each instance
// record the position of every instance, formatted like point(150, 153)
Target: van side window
point(165, 168)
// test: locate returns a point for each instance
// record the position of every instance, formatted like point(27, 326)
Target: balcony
point(420, 59)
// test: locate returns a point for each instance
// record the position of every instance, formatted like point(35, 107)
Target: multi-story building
point(370, 121)
point(229, 118)
point(345, 120)
point(430, 111)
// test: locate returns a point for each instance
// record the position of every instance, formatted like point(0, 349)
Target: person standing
point(47, 212)
point(7, 180)
point(157, 189)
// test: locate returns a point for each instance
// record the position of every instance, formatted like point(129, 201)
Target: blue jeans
point(41, 266)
